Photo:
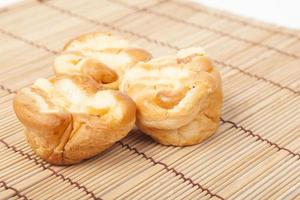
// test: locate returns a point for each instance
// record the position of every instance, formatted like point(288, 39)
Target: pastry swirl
point(71, 118)
point(102, 56)
point(178, 98)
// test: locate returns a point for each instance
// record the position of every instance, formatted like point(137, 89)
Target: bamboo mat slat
point(254, 155)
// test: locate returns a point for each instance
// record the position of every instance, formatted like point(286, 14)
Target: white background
point(7, 2)
point(280, 12)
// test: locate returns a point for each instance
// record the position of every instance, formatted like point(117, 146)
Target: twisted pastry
point(100, 55)
point(70, 118)
point(178, 97)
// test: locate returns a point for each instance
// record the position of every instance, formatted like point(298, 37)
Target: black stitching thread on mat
point(207, 28)
point(3, 10)
point(156, 42)
point(152, 41)
point(122, 144)
point(17, 192)
point(144, 37)
point(250, 133)
point(192, 7)
point(173, 47)
point(109, 26)
point(44, 166)
point(132, 13)
point(28, 156)
point(2, 87)
point(126, 145)
point(160, 43)
point(258, 77)
point(170, 169)
point(28, 41)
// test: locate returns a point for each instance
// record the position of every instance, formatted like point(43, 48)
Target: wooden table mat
point(255, 153)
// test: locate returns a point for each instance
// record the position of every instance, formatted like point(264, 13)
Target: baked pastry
point(178, 98)
point(92, 53)
point(70, 118)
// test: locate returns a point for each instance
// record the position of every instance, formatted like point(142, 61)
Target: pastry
point(92, 53)
point(178, 98)
point(69, 118)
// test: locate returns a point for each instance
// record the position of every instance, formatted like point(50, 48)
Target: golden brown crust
point(69, 63)
point(106, 53)
point(69, 118)
point(178, 98)
point(83, 38)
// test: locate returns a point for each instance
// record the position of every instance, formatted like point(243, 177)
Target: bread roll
point(178, 98)
point(70, 118)
point(102, 56)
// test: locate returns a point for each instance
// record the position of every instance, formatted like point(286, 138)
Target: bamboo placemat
point(255, 153)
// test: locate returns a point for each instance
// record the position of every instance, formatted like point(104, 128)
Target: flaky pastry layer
point(178, 97)
point(102, 56)
point(70, 118)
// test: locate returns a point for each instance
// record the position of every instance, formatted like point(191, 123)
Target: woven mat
point(255, 153)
